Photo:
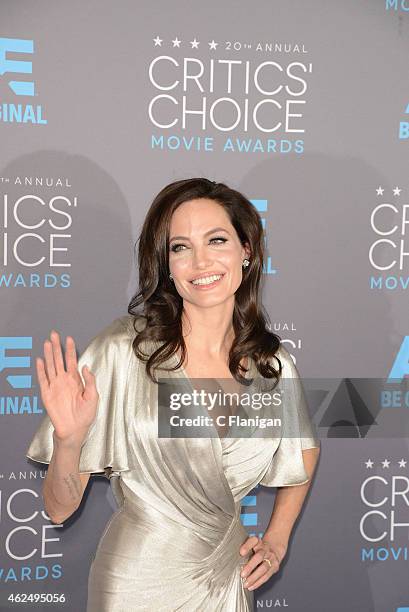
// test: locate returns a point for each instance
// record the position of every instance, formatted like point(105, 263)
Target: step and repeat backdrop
point(303, 106)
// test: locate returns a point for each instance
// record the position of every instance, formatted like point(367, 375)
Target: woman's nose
point(201, 258)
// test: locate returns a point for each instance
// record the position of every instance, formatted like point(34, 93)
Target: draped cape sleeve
point(106, 444)
point(298, 431)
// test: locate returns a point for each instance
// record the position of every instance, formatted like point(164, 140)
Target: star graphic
point(397, 191)
point(386, 463)
point(379, 191)
point(402, 463)
point(176, 42)
point(158, 41)
point(369, 463)
point(213, 44)
point(194, 44)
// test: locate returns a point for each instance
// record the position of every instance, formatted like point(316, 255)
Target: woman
point(176, 541)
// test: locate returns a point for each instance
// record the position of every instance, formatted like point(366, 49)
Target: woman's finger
point(90, 390)
point(250, 543)
point(57, 352)
point(41, 375)
point(49, 360)
point(252, 563)
point(262, 572)
point(259, 582)
point(71, 355)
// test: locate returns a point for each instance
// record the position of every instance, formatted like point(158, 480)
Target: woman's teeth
point(207, 280)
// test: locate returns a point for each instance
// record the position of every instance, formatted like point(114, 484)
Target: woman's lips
point(208, 285)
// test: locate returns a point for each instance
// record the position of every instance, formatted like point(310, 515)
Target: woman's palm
point(70, 405)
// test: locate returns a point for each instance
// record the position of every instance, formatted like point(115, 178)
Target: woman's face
point(203, 245)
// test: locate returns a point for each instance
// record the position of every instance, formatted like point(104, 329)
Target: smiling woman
point(200, 263)
point(201, 254)
point(207, 258)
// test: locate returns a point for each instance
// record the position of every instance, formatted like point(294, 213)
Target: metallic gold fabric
point(173, 543)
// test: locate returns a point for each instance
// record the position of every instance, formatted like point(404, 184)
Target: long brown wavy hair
point(163, 306)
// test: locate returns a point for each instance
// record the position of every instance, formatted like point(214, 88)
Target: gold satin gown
point(173, 543)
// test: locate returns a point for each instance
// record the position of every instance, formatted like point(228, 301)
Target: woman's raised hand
point(70, 405)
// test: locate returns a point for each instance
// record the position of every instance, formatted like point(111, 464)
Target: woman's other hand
point(257, 571)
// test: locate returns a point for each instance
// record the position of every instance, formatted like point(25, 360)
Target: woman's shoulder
point(118, 334)
point(133, 324)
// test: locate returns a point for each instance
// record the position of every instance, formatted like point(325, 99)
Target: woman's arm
point(273, 546)
point(289, 501)
point(63, 486)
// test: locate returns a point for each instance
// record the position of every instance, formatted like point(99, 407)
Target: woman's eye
point(175, 247)
point(219, 238)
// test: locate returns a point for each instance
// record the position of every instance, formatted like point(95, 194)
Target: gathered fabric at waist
point(140, 532)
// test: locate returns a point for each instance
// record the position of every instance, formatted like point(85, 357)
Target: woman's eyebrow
point(215, 229)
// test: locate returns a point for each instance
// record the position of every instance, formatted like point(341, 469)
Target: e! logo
point(17, 45)
point(16, 381)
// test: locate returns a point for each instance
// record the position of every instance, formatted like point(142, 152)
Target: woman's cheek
point(179, 264)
